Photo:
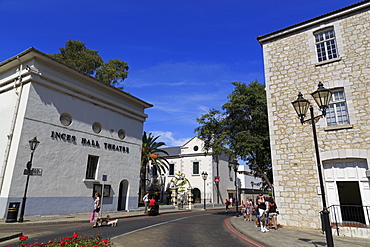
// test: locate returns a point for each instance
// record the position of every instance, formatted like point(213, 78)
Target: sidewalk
point(284, 236)
point(288, 236)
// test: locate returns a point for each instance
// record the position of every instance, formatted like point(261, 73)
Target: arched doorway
point(196, 195)
point(122, 197)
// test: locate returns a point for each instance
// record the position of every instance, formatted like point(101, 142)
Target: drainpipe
point(12, 127)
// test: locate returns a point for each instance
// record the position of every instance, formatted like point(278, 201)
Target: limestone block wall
point(290, 67)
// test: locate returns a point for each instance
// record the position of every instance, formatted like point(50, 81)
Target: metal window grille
point(92, 164)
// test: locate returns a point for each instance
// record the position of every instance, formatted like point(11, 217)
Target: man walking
point(146, 202)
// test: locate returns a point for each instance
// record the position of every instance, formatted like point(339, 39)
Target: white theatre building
point(86, 129)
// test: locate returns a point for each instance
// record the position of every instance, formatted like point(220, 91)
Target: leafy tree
point(242, 130)
point(247, 126)
point(76, 55)
point(179, 181)
point(150, 151)
point(113, 72)
point(212, 132)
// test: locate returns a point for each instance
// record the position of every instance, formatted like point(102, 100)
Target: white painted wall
point(62, 188)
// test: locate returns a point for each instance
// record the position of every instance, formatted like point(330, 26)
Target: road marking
point(158, 224)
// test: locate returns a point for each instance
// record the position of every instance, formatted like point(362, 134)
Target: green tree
point(212, 131)
point(76, 55)
point(179, 181)
point(150, 151)
point(247, 127)
point(241, 131)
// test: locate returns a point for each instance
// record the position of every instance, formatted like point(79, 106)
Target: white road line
point(147, 227)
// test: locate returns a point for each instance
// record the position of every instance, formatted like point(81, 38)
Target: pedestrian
point(249, 209)
point(146, 201)
point(94, 215)
point(258, 222)
point(262, 212)
point(227, 203)
point(273, 213)
point(231, 201)
point(267, 212)
point(244, 210)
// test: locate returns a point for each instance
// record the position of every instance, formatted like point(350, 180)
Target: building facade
point(191, 161)
point(335, 49)
point(89, 132)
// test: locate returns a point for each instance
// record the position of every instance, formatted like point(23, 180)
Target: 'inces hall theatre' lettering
point(89, 143)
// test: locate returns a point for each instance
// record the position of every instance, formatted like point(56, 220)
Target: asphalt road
point(202, 228)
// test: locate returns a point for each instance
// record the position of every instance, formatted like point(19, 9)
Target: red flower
point(22, 238)
point(75, 235)
point(36, 243)
point(95, 246)
point(106, 240)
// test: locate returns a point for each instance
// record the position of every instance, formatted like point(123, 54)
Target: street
point(202, 228)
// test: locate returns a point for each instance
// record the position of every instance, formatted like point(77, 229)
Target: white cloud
point(167, 137)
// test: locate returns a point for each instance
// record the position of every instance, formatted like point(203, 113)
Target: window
point(65, 119)
point(92, 164)
point(154, 171)
point(337, 112)
point(97, 127)
point(171, 170)
point(121, 134)
point(195, 167)
point(326, 47)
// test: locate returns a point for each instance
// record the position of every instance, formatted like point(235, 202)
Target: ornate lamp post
point(204, 176)
point(163, 182)
point(234, 164)
point(322, 97)
point(33, 145)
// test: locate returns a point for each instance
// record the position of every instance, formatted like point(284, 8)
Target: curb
point(244, 235)
point(17, 224)
point(16, 235)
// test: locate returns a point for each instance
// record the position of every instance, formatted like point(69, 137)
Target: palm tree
point(150, 151)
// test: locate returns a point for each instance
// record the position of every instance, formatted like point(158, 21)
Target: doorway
point(350, 201)
point(196, 195)
point(122, 198)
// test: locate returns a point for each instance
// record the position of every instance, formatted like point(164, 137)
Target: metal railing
point(349, 216)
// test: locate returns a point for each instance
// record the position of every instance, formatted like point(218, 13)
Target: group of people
point(149, 202)
point(264, 209)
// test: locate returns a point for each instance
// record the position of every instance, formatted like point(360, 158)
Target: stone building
point(335, 49)
point(89, 132)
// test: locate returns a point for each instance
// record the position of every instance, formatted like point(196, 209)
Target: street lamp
point(163, 182)
point(234, 164)
point(252, 184)
point(322, 97)
point(204, 176)
point(33, 145)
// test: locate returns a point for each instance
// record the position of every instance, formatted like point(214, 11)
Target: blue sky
point(183, 55)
